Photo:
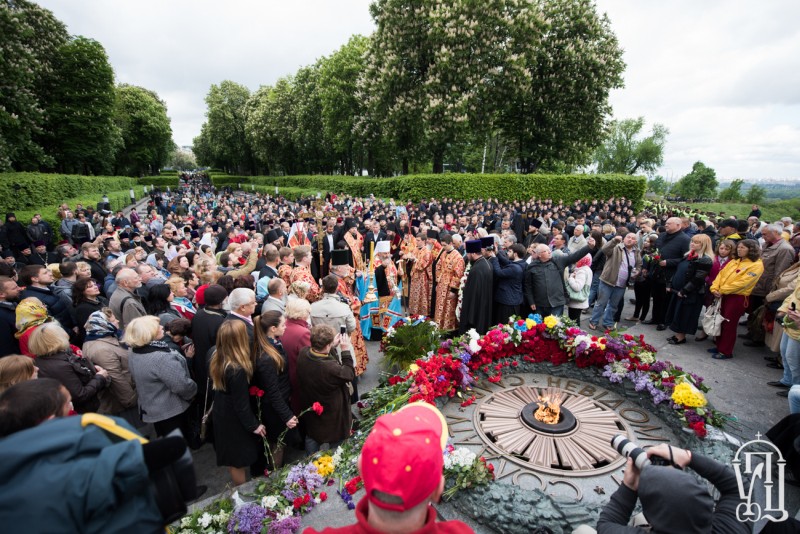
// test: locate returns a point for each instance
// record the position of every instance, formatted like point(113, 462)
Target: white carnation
point(205, 520)
point(269, 502)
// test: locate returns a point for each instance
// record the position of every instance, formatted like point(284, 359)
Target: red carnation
point(323, 497)
point(256, 392)
point(298, 503)
point(317, 407)
point(306, 498)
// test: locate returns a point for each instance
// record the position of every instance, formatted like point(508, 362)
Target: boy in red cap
point(401, 465)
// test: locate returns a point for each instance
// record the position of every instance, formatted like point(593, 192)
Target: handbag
point(713, 319)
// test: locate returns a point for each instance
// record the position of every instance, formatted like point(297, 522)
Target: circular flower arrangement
point(446, 373)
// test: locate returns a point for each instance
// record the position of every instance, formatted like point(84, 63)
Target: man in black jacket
point(544, 279)
point(9, 294)
point(509, 273)
point(671, 245)
point(37, 279)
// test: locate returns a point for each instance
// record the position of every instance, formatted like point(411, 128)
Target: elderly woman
point(296, 337)
point(163, 384)
point(324, 380)
point(733, 285)
point(102, 347)
point(55, 359)
point(180, 302)
point(30, 315)
point(579, 284)
point(84, 270)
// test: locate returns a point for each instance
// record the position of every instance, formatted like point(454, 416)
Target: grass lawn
point(770, 211)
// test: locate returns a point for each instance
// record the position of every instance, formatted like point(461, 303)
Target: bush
point(159, 181)
point(22, 191)
point(460, 186)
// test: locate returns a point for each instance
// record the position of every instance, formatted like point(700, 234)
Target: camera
point(631, 450)
point(343, 329)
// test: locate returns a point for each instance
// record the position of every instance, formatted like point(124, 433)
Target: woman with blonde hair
point(163, 385)
point(84, 270)
point(236, 427)
point(272, 376)
point(180, 302)
point(296, 336)
point(688, 287)
point(298, 290)
point(56, 359)
point(15, 369)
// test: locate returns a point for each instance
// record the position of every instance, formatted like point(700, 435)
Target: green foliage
point(222, 141)
point(29, 38)
point(756, 194)
point(81, 134)
point(146, 133)
point(407, 342)
point(459, 186)
point(699, 184)
point(35, 190)
point(165, 180)
point(623, 152)
point(657, 185)
point(732, 193)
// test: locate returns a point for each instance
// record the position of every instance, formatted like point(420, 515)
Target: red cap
point(403, 456)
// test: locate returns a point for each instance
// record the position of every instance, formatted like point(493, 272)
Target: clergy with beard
point(476, 307)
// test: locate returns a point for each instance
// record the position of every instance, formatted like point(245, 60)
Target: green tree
point(145, 128)
point(756, 194)
point(624, 152)
point(699, 184)
point(572, 60)
point(732, 193)
point(29, 39)
point(80, 130)
point(225, 144)
point(182, 160)
point(341, 105)
point(658, 185)
point(271, 126)
point(313, 147)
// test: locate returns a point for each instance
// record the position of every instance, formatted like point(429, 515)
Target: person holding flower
point(272, 376)
point(323, 380)
point(733, 285)
point(236, 427)
point(689, 286)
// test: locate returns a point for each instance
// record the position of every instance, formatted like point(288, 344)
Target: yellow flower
point(324, 465)
point(688, 395)
point(413, 367)
point(530, 323)
point(550, 321)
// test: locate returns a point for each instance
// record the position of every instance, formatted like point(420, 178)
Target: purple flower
point(247, 519)
point(286, 526)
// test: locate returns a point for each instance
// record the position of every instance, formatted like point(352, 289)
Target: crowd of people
point(228, 315)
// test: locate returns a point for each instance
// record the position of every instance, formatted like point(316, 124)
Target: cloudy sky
point(722, 75)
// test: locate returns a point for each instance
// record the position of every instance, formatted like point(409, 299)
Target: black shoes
point(775, 365)
point(675, 341)
point(661, 327)
point(783, 393)
point(778, 384)
point(751, 343)
point(651, 322)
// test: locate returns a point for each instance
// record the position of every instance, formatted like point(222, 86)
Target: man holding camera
point(672, 499)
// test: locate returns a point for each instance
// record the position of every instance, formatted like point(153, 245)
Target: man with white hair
point(242, 301)
point(125, 303)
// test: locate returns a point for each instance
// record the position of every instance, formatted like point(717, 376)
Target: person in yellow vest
point(734, 284)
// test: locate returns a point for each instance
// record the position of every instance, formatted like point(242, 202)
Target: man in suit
point(374, 235)
point(329, 241)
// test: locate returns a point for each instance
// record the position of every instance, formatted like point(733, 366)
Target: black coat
point(275, 410)
point(205, 326)
point(544, 282)
point(508, 278)
point(475, 309)
point(672, 248)
point(78, 375)
point(8, 343)
point(59, 306)
point(234, 422)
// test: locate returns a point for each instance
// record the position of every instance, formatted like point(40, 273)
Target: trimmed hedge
point(159, 181)
point(462, 186)
point(34, 190)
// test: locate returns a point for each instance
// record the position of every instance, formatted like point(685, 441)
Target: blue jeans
point(593, 289)
point(794, 399)
point(608, 300)
point(790, 354)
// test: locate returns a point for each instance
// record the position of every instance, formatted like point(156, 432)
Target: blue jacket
point(508, 276)
point(60, 477)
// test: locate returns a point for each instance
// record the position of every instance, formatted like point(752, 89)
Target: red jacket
point(296, 336)
point(363, 527)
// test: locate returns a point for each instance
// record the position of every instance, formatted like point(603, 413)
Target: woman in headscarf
point(579, 284)
point(102, 347)
point(30, 314)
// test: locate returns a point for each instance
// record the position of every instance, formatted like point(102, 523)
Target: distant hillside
point(775, 190)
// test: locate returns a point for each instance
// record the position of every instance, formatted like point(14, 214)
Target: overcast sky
point(722, 75)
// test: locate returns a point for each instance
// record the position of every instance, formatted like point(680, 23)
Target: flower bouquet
point(407, 340)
